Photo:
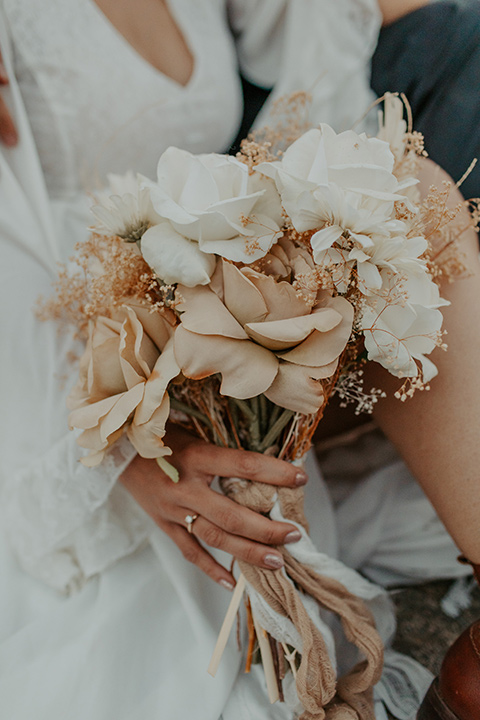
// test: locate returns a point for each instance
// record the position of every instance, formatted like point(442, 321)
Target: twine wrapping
point(321, 695)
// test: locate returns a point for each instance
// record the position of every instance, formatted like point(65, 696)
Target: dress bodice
point(97, 106)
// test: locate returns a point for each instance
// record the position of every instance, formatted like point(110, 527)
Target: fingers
point(241, 548)
point(197, 555)
point(211, 460)
point(247, 535)
point(8, 132)
point(238, 520)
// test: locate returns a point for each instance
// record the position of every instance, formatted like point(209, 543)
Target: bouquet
point(235, 296)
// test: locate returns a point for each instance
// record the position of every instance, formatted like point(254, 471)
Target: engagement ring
point(190, 519)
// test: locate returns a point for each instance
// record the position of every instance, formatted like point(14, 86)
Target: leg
point(437, 434)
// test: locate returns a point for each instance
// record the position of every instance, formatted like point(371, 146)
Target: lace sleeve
point(65, 522)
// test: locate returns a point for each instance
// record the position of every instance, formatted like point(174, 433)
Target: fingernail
point(301, 478)
point(273, 561)
point(293, 536)
point(226, 584)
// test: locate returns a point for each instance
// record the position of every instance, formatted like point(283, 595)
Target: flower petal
point(158, 326)
point(280, 297)
point(247, 370)
point(306, 158)
point(283, 334)
point(88, 416)
point(174, 258)
point(324, 239)
point(165, 370)
point(323, 347)
point(121, 411)
point(242, 298)
point(295, 388)
point(138, 353)
point(204, 313)
point(251, 243)
point(146, 437)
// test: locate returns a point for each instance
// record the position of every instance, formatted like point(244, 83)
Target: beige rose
point(261, 336)
point(124, 373)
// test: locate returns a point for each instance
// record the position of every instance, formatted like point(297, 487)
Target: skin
point(222, 523)
point(395, 9)
point(436, 432)
point(8, 132)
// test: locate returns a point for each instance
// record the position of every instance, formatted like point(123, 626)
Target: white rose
point(209, 206)
point(322, 173)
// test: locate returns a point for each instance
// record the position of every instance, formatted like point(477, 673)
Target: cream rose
point(262, 337)
point(124, 373)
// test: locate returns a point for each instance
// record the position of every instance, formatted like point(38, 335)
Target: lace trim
point(67, 522)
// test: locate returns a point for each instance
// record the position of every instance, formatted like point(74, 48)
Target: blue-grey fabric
point(433, 56)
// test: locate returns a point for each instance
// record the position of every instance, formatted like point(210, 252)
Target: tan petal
point(159, 327)
point(105, 376)
point(278, 251)
point(91, 440)
point(165, 369)
point(296, 388)
point(323, 348)
point(99, 367)
point(247, 369)
point(242, 298)
point(138, 354)
point(120, 413)
point(280, 298)
point(204, 313)
point(146, 437)
point(88, 416)
point(273, 265)
point(283, 334)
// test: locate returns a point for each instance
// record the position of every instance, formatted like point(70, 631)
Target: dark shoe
point(455, 694)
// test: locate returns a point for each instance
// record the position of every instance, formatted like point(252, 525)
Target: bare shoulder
point(394, 9)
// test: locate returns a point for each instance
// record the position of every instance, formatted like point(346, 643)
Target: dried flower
point(126, 210)
point(262, 338)
point(122, 385)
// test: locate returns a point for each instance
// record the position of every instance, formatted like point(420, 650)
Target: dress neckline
point(183, 28)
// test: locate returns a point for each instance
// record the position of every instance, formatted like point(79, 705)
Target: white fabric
point(317, 46)
point(145, 619)
point(97, 106)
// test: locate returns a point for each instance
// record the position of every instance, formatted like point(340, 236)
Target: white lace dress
point(131, 635)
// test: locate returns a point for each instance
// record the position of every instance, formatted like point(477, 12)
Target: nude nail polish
point(301, 478)
point(273, 561)
point(293, 536)
point(227, 585)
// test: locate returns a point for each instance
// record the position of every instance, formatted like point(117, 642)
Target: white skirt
point(135, 642)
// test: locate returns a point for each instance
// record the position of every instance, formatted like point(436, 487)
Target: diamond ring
point(189, 520)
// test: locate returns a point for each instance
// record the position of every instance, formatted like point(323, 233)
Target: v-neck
point(182, 27)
